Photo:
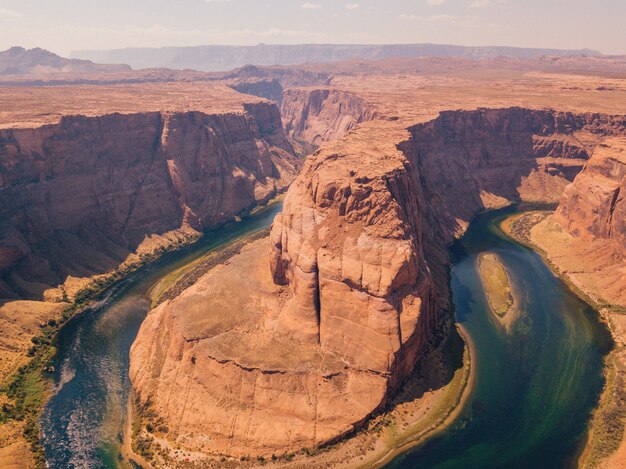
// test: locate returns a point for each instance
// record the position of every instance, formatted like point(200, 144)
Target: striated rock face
point(78, 196)
point(586, 237)
point(472, 160)
point(349, 245)
point(357, 287)
point(318, 116)
point(594, 205)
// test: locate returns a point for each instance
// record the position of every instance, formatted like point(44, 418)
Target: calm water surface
point(536, 385)
point(82, 424)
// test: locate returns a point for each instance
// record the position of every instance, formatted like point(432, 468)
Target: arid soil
point(366, 223)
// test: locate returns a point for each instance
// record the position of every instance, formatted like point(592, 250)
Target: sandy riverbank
point(431, 399)
point(605, 445)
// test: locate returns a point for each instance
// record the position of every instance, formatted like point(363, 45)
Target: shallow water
point(83, 422)
point(535, 385)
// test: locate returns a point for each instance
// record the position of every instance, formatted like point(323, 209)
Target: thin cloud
point(430, 19)
point(435, 2)
point(9, 15)
point(311, 6)
point(352, 6)
point(485, 3)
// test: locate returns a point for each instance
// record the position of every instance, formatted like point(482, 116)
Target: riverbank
point(605, 445)
point(428, 402)
point(26, 389)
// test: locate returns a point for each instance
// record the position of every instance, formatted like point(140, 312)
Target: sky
point(65, 25)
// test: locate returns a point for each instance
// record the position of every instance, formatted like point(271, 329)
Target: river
point(83, 422)
point(535, 385)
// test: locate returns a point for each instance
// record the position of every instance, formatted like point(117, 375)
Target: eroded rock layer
point(474, 160)
point(77, 197)
point(586, 237)
point(357, 282)
point(318, 116)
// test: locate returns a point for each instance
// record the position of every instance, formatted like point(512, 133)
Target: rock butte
point(351, 288)
point(359, 290)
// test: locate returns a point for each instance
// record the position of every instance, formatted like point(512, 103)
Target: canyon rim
point(246, 256)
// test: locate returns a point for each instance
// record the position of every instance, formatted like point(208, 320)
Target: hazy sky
point(65, 25)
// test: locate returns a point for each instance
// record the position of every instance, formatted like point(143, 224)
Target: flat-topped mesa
point(79, 196)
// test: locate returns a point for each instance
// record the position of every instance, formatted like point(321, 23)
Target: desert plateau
point(342, 254)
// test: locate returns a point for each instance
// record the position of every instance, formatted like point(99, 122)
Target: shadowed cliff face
point(472, 160)
point(79, 196)
point(318, 116)
point(361, 242)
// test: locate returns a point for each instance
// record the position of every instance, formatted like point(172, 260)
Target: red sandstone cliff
point(473, 160)
point(594, 206)
point(586, 237)
point(318, 116)
point(357, 286)
point(78, 196)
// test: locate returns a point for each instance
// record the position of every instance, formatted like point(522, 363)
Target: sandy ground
point(502, 297)
point(24, 107)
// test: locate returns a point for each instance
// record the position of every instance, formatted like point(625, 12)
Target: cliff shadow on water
point(536, 384)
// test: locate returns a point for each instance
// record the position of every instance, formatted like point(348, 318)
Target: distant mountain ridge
point(37, 61)
point(218, 57)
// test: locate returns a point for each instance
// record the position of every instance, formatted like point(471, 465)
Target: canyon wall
point(77, 197)
point(357, 289)
point(586, 237)
point(594, 206)
point(318, 116)
point(473, 160)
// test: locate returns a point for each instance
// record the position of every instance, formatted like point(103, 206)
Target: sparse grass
point(609, 419)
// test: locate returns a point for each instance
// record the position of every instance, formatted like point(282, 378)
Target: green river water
point(535, 386)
